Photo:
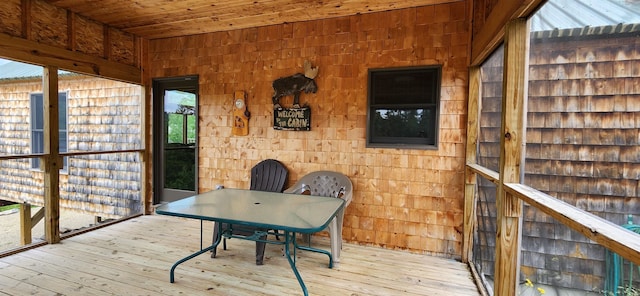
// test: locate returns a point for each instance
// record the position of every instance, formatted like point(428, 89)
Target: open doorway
point(175, 103)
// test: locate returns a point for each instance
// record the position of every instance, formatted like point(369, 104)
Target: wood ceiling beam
point(33, 52)
point(154, 19)
point(490, 36)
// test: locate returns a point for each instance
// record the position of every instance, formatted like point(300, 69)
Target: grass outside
point(11, 207)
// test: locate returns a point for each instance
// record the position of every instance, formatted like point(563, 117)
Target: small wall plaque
point(292, 119)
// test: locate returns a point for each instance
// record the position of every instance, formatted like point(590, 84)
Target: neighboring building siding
point(404, 199)
point(488, 155)
point(103, 115)
point(18, 182)
point(583, 146)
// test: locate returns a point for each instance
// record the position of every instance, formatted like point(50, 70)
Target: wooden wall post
point(25, 224)
point(509, 220)
point(470, 199)
point(146, 123)
point(52, 162)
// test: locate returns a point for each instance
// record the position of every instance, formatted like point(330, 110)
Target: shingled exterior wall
point(489, 157)
point(583, 147)
point(403, 198)
point(103, 115)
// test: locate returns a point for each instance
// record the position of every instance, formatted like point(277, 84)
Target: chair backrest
point(269, 175)
point(325, 183)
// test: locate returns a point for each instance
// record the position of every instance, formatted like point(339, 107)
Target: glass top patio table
point(278, 211)
point(291, 213)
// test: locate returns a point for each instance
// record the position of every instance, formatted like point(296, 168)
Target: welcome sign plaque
point(292, 119)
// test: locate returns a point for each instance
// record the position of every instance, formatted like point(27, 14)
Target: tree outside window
point(403, 107)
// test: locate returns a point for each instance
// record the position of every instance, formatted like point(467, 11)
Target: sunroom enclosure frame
point(51, 161)
point(511, 193)
point(506, 24)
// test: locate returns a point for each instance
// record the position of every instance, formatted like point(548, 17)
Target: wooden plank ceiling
point(153, 19)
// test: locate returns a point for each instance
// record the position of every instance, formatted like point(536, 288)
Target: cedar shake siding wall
point(403, 198)
point(102, 115)
point(488, 155)
point(49, 25)
point(583, 147)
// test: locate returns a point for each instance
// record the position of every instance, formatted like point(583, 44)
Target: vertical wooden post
point(509, 220)
point(51, 161)
point(25, 224)
point(146, 188)
point(470, 200)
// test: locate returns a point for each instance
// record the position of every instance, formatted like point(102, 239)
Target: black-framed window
point(37, 126)
point(403, 107)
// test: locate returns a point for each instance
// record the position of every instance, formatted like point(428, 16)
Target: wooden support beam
point(146, 186)
point(52, 161)
point(25, 224)
point(470, 199)
point(509, 220)
point(37, 217)
point(33, 52)
point(622, 241)
point(484, 172)
point(490, 36)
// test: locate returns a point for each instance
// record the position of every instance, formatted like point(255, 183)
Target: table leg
point(202, 251)
point(305, 248)
point(287, 239)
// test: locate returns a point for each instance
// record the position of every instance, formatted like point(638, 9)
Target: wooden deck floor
point(134, 257)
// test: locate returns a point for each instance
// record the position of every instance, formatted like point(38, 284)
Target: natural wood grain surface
point(168, 18)
point(133, 258)
point(509, 220)
point(409, 199)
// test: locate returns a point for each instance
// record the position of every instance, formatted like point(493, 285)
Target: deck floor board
point(133, 257)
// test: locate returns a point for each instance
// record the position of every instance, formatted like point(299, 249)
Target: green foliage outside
point(624, 291)
point(9, 207)
point(180, 167)
point(179, 151)
point(176, 118)
point(176, 128)
point(403, 123)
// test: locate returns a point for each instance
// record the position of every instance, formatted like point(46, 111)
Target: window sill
point(402, 146)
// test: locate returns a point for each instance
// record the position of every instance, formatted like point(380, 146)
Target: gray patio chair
point(268, 175)
point(333, 184)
